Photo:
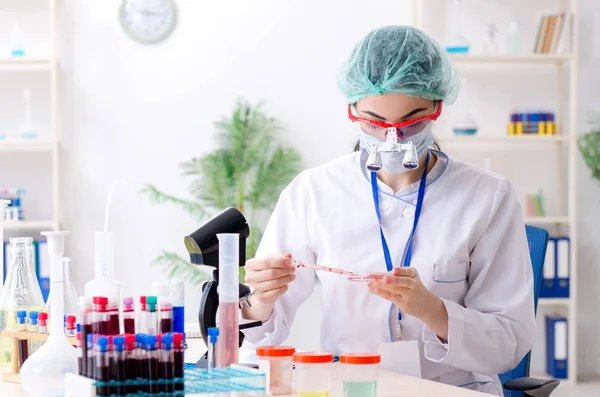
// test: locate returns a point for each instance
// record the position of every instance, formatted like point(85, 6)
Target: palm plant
point(589, 146)
point(248, 170)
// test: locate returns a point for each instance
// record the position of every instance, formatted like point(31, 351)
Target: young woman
point(450, 237)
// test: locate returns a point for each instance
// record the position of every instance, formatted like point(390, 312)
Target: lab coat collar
point(437, 171)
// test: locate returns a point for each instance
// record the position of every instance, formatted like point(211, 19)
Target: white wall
point(136, 112)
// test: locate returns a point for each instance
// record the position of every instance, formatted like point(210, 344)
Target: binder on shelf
point(549, 271)
point(563, 265)
point(43, 267)
point(556, 347)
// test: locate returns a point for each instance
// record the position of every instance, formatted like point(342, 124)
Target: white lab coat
point(470, 249)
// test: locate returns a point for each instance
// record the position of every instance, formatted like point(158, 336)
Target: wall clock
point(148, 21)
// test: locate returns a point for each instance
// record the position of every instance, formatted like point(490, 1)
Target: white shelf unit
point(567, 139)
point(48, 65)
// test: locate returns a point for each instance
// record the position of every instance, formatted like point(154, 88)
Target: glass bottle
point(70, 293)
point(21, 291)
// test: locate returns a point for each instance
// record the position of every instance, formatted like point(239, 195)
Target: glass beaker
point(21, 290)
point(70, 292)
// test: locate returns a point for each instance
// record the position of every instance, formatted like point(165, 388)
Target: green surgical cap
point(398, 60)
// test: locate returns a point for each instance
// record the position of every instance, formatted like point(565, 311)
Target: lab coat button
point(385, 205)
point(409, 212)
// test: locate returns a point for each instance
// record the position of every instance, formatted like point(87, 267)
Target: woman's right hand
point(269, 278)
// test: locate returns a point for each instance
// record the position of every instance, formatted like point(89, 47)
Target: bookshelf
point(534, 60)
point(37, 69)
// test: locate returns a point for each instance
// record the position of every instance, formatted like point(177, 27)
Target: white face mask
point(393, 162)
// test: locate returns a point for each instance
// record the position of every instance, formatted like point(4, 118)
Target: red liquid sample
point(153, 375)
point(103, 327)
point(229, 338)
point(23, 351)
point(120, 375)
point(113, 324)
point(85, 330)
point(166, 325)
point(178, 369)
point(129, 325)
point(104, 376)
point(91, 367)
point(142, 372)
point(166, 373)
point(131, 373)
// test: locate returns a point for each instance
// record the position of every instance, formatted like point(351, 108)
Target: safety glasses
point(405, 129)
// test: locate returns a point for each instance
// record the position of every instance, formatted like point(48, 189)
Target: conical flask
point(70, 293)
point(21, 290)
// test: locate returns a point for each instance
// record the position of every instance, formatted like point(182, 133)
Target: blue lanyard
point(386, 250)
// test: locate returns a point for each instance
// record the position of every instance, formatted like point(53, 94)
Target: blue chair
point(517, 382)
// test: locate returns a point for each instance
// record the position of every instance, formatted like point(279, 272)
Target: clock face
point(148, 21)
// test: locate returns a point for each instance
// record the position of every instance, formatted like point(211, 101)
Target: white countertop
point(389, 384)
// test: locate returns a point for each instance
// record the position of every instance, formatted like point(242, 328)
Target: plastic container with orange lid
point(360, 371)
point(276, 363)
point(312, 374)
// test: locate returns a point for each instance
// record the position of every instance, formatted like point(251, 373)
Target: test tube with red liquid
point(178, 361)
point(86, 329)
point(141, 319)
point(100, 315)
point(165, 315)
point(128, 316)
point(130, 363)
point(166, 364)
point(153, 357)
point(114, 327)
point(141, 359)
point(119, 365)
point(80, 366)
point(102, 366)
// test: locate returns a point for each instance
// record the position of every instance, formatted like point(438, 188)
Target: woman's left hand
point(404, 288)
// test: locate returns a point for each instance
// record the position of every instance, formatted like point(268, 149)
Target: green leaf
point(157, 197)
point(177, 266)
point(272, 176)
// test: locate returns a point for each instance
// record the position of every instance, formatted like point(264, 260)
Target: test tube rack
point(237, 380)
point(12, 375)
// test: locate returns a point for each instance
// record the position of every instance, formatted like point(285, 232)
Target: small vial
point(34, 328)
point(151, 316)
point(33, 323)
point(23, 345)
point(119, 365)
point(130, 363)
point(141, 320)
point(166, 315)
point(43, 323)
point(178, 361)
point(166, 364)
point(91, 363)
point(153, 358)
point(114, 327)
point(79, 356)
point(100, 316)
point(213, 336)
point(110, 356)
point(86, 328)
point(141, 358)
point(102, 366)
point(70, 328)
point(128, 316)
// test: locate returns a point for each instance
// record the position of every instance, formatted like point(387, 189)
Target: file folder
point(563, 265)
point(43, 267)
point(556, 347)
point(547, 289)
